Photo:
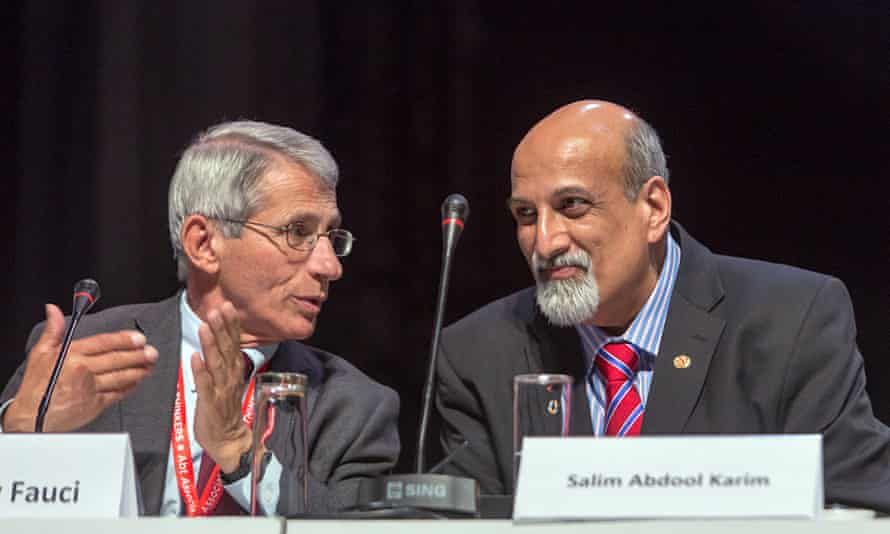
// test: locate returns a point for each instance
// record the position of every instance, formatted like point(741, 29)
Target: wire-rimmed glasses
point(299, 239)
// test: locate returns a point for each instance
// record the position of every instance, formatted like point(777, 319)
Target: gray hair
point(219, 174)
point(644, 158)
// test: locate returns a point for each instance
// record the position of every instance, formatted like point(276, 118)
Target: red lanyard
point(182, 454)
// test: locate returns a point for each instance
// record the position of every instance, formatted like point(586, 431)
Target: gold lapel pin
point(553, 407)
point(682, 361)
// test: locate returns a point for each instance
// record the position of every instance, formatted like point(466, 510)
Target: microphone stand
point(451, 234)
point(420, 494)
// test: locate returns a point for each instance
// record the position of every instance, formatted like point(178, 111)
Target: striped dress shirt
point(644, 333)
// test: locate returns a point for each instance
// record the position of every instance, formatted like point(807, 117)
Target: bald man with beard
point(710, 344)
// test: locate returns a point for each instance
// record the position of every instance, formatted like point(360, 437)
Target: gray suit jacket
point(352, 419)
point(773, 351)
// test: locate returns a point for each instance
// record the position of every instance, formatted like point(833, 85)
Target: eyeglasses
point(298, 238)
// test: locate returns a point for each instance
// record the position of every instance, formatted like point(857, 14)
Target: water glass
point(279, 418)
point(542, 406)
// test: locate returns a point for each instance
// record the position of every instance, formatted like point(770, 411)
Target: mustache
point(577, 258)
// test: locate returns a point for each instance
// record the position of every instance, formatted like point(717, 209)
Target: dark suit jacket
point(352, 419)
point(773, 351)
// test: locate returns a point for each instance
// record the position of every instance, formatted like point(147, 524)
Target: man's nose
point(324, 263)
point(551, 236)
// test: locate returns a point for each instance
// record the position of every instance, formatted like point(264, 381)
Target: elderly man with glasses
point(255, 230)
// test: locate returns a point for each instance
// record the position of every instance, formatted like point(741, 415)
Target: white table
point(145, 525)
point(243, 525)
point(490, 526)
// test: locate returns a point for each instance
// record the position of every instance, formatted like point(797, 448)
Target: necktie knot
point(617, 362)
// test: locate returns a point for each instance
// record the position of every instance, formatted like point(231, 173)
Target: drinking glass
point(542, 406)
point(279, 412)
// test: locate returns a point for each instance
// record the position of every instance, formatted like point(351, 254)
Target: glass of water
point(280, 420)
point(542, 405)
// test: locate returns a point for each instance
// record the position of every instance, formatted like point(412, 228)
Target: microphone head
point(86, 293)
point(455, 207)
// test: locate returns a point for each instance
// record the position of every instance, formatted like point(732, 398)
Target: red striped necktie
point(617, 363)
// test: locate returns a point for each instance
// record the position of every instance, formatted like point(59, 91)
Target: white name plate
point(67, 475)
point(670, 477)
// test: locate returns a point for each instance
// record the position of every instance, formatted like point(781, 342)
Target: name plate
point(670, 477)
point(67, 475)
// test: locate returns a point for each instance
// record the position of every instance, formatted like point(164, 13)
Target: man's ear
point(655, 199)
point(200, 242)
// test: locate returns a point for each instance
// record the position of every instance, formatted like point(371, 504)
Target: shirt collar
point(646, 329)
point(190, 323)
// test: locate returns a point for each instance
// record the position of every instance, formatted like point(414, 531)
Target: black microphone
point(86, 293)
point(455, 211)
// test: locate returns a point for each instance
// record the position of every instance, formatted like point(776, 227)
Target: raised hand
point(219, 378)
point(99, 371)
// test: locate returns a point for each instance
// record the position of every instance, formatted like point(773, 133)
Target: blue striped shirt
point(644, 333)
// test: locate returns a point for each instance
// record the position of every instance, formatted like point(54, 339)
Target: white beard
point(567, 302)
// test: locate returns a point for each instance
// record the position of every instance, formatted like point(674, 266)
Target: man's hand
point(219, 378)
point(99, 371)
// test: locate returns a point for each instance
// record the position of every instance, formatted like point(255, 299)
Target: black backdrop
point(773, 117)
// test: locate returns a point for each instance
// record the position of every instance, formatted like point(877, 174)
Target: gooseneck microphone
point(427, 494)
point(455, 211)
point(86, 293)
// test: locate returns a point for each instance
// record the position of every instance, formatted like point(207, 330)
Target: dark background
point(774, 118)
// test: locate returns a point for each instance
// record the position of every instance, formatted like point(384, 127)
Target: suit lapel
point(691, 330)
point(675, 390)
point(147, 414)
